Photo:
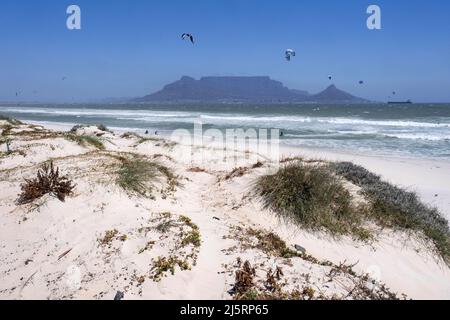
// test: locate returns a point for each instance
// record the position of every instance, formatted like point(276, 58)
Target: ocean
point(415, 130)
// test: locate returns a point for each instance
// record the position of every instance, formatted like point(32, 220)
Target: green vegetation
point(100, 127)
point(312, 196)
point(85, 140)
point(185, 247)
point(138, 175)
point(10, 120)
point(162, 265)
point(394, 207)
point(128, 135)
point(110, 235)
point(6, 130)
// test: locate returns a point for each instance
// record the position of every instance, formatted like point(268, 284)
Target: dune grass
point(10, 120)
point(100, 127)
point(138, 175)
point(313, 197)
point(395, 207)
point(85, 140)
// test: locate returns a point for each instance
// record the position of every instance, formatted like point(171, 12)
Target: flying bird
point(188, 36)
point(64, 78)
point(330, 77)
point(289, 53)
point(361, 82)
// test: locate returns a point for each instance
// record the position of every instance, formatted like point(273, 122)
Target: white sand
point(53, 251)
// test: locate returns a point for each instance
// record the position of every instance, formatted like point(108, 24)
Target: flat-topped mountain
point(241, 89)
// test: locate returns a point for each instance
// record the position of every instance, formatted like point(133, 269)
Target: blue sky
point(132, 48)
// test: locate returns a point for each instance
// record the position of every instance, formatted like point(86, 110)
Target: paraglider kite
point(188, 36)
point(289, 53)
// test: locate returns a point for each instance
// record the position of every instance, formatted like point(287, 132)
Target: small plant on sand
point(162, 265)
point(129, 135)
point(192, 238)
point(182, 250)
point(85, 140)
point(138, 175)
point(102, 127)
point(6, 130)
point(393, 207)
point(48, 181)
point(244, 281)
point(312, 196)
point(236, 173)
point(110, 235)
point(146, 139)
point(196, 170)
point(10, 120)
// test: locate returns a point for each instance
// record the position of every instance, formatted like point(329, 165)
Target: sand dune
point(188, 239)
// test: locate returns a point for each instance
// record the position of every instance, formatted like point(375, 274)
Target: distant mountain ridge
point(257, 89)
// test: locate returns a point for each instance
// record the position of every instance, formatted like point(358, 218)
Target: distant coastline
point(260, 89)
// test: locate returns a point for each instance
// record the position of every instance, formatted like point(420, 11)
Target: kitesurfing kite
point(361, 82)
point(290, 53)
point(188, 36)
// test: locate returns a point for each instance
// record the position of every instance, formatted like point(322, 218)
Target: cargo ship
point(400, 102)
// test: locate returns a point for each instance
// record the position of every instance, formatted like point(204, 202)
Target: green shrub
point(311, 196)
point(395, 207)
point(86, 140)
point(138, 175)
point(10, 120)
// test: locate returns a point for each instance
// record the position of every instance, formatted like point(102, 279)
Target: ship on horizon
point(400, 102)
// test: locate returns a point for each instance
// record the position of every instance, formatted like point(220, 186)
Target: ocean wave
point(370, 135)
point(339, 121)
point(99, 112)
point(223, 118)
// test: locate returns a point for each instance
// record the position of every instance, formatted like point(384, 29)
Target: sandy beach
point(190, 237)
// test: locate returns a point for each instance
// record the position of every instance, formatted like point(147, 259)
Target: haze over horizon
point(134, 49)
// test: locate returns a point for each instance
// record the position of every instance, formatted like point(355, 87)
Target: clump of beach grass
point(313, 197)
point(129, 134)
point(85, 140)
point(10, 120)
point(6, 129)
point(395, 207)
point(100, 127)
point(138, 175)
